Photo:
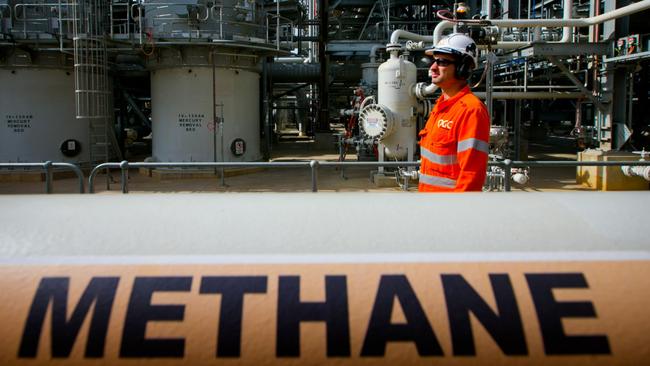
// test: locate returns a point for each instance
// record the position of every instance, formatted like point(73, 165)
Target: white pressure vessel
point(396, 78)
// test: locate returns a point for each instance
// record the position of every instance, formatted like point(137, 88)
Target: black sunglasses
point(442, 62)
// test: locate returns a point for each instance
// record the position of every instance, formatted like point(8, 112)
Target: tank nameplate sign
point(502, 312)
point(396, 84)
point(191, 122)
point(19, 123)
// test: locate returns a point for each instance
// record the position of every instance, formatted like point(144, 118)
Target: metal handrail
point(48, 166)
point(8, 7)
point(315, 164)
point(43, 5)
point(215, 13)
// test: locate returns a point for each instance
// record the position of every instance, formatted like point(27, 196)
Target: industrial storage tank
point(38, 111)
point(188, 99)
point(37, 89)
point(56, 99)
point(205, 79)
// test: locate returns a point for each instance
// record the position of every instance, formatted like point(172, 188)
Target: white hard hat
point(457, 44)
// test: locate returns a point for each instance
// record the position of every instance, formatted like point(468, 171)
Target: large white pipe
point(220, 224)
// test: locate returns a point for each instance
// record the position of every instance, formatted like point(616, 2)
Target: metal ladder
point(92, 88)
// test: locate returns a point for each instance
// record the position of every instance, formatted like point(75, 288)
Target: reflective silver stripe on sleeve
point(437, 181)
point(437, 158)
point(473, 143)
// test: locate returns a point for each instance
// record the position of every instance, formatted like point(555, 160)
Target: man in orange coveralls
point(454, 144)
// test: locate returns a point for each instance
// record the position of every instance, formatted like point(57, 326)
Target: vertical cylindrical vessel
point(396, 78)
point(37, 120)
point(186, 102)
point(205, 90)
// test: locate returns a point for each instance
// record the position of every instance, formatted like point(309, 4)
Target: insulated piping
point(532, 95)
point(581, 22)
point(373, 52)
point(396, 35)
point(291, 60)
point(422, 90)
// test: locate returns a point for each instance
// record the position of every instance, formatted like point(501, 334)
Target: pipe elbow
point(424, 90)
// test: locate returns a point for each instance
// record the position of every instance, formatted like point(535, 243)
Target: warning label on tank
point(18, 123)
point(190, 122)
point(505, 313)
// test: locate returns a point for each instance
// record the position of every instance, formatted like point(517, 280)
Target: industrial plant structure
point(200, 88)
point(92, 81)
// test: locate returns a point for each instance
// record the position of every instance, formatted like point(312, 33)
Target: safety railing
point(121, 20)
point(314, 166)
point(48, 167)
point(212, 22)
point(46, 17)
point(5, 17)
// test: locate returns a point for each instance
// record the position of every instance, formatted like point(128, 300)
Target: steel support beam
point(577, 83)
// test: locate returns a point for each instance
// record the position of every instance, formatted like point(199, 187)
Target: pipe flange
point(376, 121)
point(392, 47)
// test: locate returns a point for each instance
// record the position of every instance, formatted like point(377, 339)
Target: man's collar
point(443, 103)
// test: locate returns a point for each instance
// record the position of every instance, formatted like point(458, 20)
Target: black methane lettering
point(140, 311)
point(232, 290)
point(550, 313)
point(54, 290)
point(505, 326)
point(416, 329)
point(333, 311)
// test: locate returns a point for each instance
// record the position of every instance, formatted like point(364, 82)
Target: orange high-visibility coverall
point(454, 145)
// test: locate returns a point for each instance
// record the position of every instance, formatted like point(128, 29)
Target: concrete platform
point(608, 178)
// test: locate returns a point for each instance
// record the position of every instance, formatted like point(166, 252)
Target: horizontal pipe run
point(402, 34)
point(543, 87)
point(532, 95)
point(579, 22)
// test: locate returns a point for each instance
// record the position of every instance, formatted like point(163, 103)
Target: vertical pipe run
point(223, 154)
point(323, 120)
point(630, 98)
point(489, 82)
point(266, 115)
point(517, 128)
point(214, 114)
